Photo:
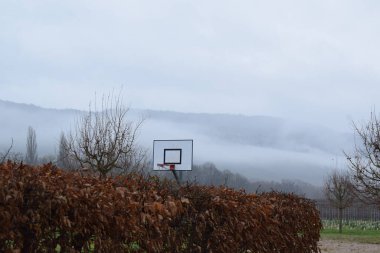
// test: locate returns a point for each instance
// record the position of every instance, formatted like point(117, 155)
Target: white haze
point(315, 61)
point(260, 148)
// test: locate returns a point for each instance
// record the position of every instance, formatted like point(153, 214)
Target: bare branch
point(364, 163)
point(105, 139)
point(338, 190)
point(31, 147)
point(6, 154)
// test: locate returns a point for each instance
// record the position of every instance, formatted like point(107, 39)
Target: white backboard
point(177, 153)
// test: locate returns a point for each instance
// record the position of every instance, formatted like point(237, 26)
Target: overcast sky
point(316, 61)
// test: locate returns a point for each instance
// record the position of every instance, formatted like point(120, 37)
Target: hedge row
point(45, 209)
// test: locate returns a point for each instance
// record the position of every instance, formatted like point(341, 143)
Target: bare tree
point(63, 158)
point(105, 140)
point(31, 147)
point(339, 192)
point(365, 161)
point(4, 156)
point(62, 152)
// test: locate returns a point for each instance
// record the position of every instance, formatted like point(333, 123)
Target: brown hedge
point(43, 209)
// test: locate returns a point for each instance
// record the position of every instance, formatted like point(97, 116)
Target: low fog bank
point(210, 174)
point(261, 131)
point(258, 163)
point(293, 159)
point(48, 124)
point(258, 147)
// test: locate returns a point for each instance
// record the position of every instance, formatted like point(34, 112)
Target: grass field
point(354, 231)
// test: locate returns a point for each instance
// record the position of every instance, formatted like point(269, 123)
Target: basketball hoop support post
point(180, 176)
point(178, 179)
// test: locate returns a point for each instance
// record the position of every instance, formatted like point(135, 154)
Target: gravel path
point(333, 246)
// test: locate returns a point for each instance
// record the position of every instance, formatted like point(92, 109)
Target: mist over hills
point(258, 147)
point(261, 131)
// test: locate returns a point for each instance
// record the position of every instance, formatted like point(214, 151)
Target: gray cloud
point(315, 60)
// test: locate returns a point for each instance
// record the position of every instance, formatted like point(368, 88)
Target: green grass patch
point(352, 236)
point(353, 231)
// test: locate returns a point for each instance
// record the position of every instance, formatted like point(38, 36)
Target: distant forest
point(209, 174)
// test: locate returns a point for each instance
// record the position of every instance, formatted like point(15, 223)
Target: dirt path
point(333, 246)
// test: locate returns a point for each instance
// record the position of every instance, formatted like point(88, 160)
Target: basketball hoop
point(172, 155)
point(171, 166)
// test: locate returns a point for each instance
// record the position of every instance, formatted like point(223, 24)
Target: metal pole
point(180, 175)
point(176, 177)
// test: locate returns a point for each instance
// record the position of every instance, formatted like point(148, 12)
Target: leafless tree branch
point(338, 190)
point(364, 163)
point(6, 154)
point(31, 156)
point(105, 139)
